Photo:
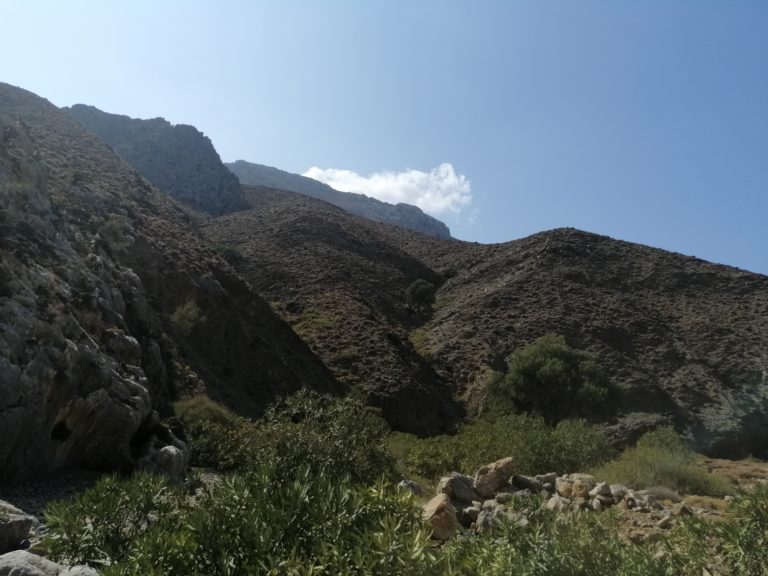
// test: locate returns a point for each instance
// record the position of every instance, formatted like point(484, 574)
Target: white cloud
point(438, 191)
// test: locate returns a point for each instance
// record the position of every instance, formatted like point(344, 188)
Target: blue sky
point(645, 121)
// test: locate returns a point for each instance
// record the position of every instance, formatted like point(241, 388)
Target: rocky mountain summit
point(404, 215)
point(178, 159)
point(111, 305)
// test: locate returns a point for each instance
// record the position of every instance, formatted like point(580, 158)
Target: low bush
point(572, 445)
point(186, 316)
point(306, 430)
point(734, 546)
point(661, 458)
point(571, 545)
point(244, 524)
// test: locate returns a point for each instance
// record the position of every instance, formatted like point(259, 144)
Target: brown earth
point(342, 288)
point(687, 340)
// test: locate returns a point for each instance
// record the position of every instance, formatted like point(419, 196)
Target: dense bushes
point(661, 458)
point(553, 380)
point(306, 430)
point(319, 524)
point(303, 500)
point(537, 447)
point(244, 524)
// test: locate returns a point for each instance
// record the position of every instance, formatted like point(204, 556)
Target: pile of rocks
point(484, 501)
point(16, 530)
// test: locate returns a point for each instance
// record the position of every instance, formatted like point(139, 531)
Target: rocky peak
point(178, 159)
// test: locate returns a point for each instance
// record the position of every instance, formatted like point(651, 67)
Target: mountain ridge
point(404, 215)
point(177, 158)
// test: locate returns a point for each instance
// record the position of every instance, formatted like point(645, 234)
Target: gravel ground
point(33, 496)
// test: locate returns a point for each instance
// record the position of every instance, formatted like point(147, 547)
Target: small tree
point(551, 379)
point(420, 294)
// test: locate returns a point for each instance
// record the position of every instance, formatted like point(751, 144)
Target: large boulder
point(14, 526)
point(458, 487)
point(23, 563)
point(491, 477)
point(440, 514)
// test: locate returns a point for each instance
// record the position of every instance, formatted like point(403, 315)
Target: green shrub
point(536, 447)
point(577, 544)
point(116, 232)
point(420, 294)
point(306, 430)
point(243, 524)
point(553, 380)
point(661, 458)
point(187, 316)
point(735, 545)
point(100, 526)
point(326, 433)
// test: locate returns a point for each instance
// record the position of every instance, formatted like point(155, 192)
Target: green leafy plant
point(553, 380)
point(186, 316)
point(305, 430)
point(116, 233)
point(536, 447)
point(420, 294)
point(99, 527)
point(661, 458)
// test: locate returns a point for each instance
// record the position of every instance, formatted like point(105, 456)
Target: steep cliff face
point(403, 215)
point(110, 306)
point(178, 159)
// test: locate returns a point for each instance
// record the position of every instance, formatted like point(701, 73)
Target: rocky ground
point(481, 502)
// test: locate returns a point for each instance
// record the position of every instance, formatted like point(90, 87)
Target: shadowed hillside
point(688, 339)
point(343, 289)
point(111, 305)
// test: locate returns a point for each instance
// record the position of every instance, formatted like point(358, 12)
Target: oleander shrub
point(319, 523)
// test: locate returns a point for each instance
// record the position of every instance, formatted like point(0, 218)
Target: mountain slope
point(343, 289)
point(178, 159)
point(403, 215)
point(687, 339)
point(95, 267)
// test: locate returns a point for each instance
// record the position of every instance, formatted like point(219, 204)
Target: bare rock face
point(178, 159)
point(491, 477)
point(440, 514)
point(94, 263)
